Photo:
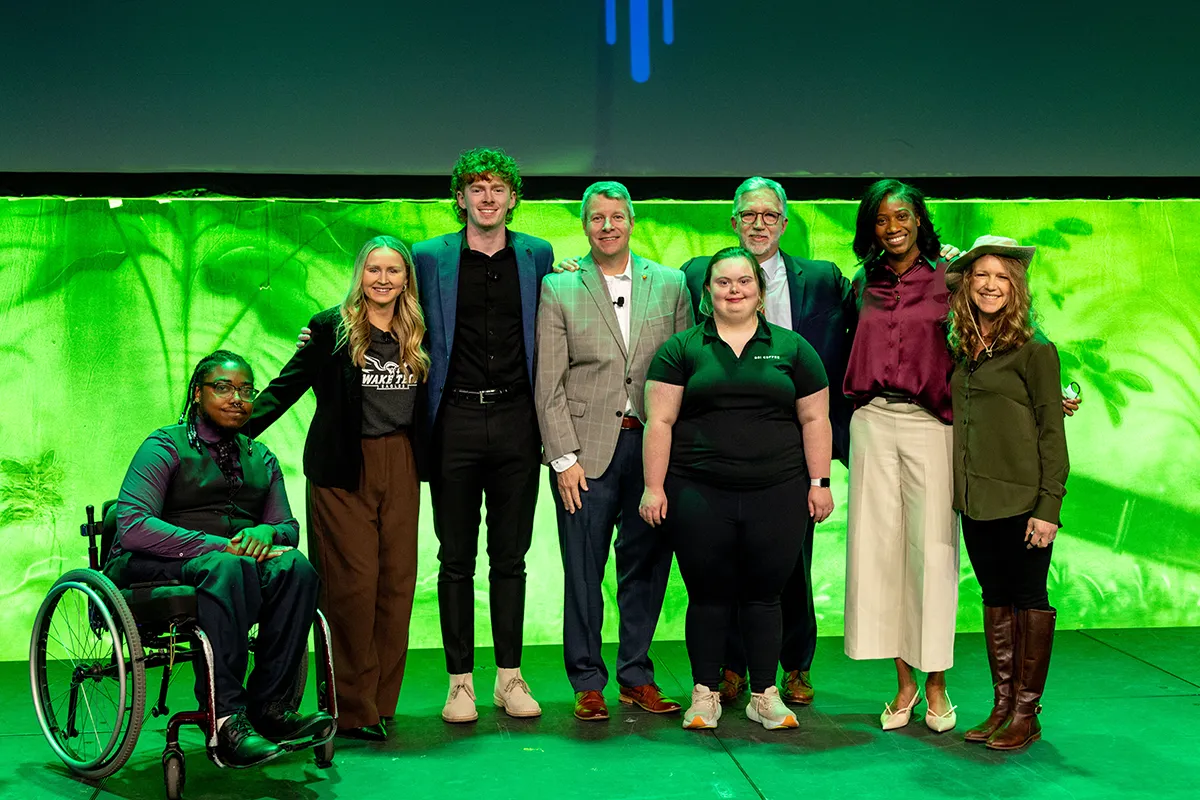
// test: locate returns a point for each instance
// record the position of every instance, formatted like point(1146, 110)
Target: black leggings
point(1009, 573)
point(736, 550)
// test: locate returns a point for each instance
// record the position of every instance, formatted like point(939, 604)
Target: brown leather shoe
point(797, 688)
point(732, 686)
point(649, 697)
point(590, 706)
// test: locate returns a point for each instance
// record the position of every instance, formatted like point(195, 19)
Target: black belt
point(488, 396)
point(898, 397)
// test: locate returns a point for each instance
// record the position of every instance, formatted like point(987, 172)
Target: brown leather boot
point(998, 633)
point(1035, 636)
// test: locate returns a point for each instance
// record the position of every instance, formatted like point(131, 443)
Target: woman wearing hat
point(1010, 471)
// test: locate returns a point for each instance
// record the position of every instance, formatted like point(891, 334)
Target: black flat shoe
point(367, 733)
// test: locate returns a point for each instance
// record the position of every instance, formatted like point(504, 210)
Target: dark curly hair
point(484, 162)
point(866, 247)
point(191, 408)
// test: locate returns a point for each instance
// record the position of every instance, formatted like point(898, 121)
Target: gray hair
point(609, 189)
point(755, 183)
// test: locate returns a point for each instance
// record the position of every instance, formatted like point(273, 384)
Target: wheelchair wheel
point(174, 774)
point(87, 674)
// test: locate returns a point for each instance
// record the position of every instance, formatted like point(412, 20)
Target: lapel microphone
point(619, 302)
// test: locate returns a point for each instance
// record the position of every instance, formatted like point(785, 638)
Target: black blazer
point(333, 447)
point(824, 312)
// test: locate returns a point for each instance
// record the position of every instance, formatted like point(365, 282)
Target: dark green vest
point(199, 499)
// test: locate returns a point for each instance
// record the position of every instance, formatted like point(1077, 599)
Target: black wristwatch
point(822, 482)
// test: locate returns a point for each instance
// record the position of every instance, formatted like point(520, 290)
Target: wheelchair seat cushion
point(160, 602)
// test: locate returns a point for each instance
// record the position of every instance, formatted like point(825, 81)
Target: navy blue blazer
point(436, 261)
point(825, 313)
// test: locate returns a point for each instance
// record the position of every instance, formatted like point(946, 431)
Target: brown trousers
point(364, 546)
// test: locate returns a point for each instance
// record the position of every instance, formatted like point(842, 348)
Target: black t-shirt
point(389, 389)
point(737, 426)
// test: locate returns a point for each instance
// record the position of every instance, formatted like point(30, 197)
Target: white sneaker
point(513, 695)
point(704, 711)
point(460, 702)
point(768, 710)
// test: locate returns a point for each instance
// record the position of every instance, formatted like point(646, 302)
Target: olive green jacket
point(1010, 445)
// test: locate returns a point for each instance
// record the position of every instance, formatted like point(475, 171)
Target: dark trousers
point(1009, 573)
point(489, 454)
point(643, 565)
point(364, 546)
point(798, 613)
point(736, 552)
point(233, 593)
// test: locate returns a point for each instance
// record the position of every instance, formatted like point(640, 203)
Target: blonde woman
point(363, 363)
point(1010, 474)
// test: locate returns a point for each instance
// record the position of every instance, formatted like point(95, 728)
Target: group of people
point(689, 411)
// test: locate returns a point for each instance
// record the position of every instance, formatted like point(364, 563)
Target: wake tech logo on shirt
point(387, 375)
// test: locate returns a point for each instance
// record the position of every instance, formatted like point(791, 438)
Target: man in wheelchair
point(204, 505)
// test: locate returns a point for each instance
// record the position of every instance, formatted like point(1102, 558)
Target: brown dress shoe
point(649, 697)
point(590, 706)
point(732, 686)
point(797, 688)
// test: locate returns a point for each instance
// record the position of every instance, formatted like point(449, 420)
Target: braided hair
point(191, 408)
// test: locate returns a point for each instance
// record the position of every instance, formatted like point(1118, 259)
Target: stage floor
point(1121, 720)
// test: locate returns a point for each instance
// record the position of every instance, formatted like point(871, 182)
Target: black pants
point(736, 551)
point(1009, 573)
point(489, 454)
point(798, 612)
point(233, 593)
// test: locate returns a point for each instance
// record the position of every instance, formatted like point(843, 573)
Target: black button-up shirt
point(489, 340)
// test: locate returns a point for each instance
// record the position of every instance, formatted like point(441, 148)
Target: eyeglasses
point(769, 218)
point(225, 388)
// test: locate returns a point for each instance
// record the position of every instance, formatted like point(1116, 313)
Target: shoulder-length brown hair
point(408, 323)
point(1015, 325)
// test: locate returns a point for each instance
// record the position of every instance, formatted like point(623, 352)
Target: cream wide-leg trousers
point(902, 537)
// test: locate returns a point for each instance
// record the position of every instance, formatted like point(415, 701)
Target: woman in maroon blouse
point(902, 539)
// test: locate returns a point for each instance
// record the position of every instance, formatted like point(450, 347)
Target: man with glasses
point(597, 330)
point(814, 299)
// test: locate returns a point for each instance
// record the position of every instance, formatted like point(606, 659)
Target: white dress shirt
point(619, 286)
point(779, 299)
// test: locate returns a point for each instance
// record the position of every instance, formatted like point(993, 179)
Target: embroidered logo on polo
point(387, 375)
point(768, 358)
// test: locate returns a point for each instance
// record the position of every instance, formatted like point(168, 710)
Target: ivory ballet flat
point(890, 720)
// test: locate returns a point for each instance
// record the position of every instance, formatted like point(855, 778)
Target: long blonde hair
point(408, 323)
point(1013, 328)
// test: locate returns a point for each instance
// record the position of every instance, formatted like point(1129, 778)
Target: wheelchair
point(91, 646)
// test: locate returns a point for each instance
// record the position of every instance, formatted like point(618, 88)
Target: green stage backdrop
point(107, 305)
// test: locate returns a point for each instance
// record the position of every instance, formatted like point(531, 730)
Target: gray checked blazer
point(584, 373)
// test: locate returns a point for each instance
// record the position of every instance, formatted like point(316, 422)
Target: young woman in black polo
point(736, 449)
point(363, 363)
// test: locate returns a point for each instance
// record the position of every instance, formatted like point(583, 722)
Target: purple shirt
point(140, 526)
point(900, 344)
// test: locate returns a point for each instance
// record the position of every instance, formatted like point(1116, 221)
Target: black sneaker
point(290, 730)
point(238, 745)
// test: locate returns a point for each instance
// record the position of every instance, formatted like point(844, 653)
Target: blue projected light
point(639, 33)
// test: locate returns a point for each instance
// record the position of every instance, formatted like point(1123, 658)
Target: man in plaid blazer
point(597, 330)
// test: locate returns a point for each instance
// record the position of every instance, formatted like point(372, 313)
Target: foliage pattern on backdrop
point(107, 305)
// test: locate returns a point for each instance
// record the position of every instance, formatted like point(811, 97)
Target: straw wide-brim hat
point(985, 246)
